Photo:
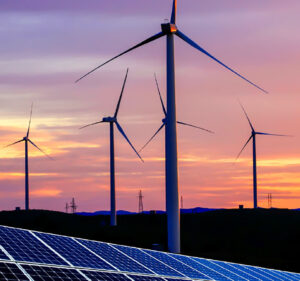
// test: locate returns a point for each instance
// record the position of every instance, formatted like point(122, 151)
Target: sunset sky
point(46, 45)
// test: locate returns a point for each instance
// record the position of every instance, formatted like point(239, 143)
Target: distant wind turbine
point(113, 120)
point(253, 137)
point(26, 140)
point(165, 117)
point(172, 199)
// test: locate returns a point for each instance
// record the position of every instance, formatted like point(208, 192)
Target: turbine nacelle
point(168, 28)
point(164, 120)
point(109, 119)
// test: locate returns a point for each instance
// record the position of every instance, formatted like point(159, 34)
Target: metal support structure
point(26, 177)
point(254, 172)
point(141, 205)
point(113, 213)
point(172, 199)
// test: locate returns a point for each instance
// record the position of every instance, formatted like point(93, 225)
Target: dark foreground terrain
point(267, 238)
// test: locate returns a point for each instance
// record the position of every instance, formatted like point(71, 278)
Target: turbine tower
point(253, 137)
point(164, 121)
point(26, 140)
point(113, 121)
point(172, 200)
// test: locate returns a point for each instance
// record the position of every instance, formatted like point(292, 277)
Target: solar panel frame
point(94, 275)
point(11, 271)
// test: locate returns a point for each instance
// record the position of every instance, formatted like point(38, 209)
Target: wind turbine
point(172, 200)
point(113, 121)
point(26, 139)
point(253, 137)
point(164, 120)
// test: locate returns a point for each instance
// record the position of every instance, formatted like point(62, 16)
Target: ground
point(267, 238)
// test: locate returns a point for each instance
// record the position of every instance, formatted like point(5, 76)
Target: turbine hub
point(109, 119)
point(168, 28)
point(164, 120)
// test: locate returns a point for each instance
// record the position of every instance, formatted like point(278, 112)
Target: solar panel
point(43, 273)
point(23, 246)
point(148, 261)
point(11, 272)
point(114, 256)
point(179, 266)
point(108, 276)
point(73, 252)
point(30, 255)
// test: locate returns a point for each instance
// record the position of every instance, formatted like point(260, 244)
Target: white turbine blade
point(29, 121)
point(40, 149)
point(243, 148)
point(150, 39)
point(152, 137)
point(90, 125)
point(126, 138)
point(247, 117)
point(186, 124)
point(118, 105)
point(174, 12)
point(276, 135)
point(193, 44)
point(161, 100)
point(14, 143)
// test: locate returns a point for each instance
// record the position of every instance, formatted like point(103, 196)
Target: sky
point(47, 45)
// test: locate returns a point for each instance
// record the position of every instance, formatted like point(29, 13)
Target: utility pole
point(181, 201)
point(73, 206)
point(141, 206)
point(67, 207)
point(269, 200)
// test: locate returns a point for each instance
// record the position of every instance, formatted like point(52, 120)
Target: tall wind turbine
point(165, 117)
point(253, 137)
point(172, 200)
point(113, 121)
point(26, 139)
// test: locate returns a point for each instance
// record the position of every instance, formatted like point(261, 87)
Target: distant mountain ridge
point(123, 212)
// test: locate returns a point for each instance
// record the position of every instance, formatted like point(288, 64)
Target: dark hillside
point(268, 238)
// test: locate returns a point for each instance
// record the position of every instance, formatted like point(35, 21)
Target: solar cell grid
point(10, 272)
point(272, 273)
point(73, 252)
point(44, 273)
point(3, 256)
point(183, 268)
point(23, 246)
point(145, 278)
point(204, 267)
point(255, 275)
point(115, 257)
point(97, 275)
point(288, 275)
point(261, 272)
point(148, 261)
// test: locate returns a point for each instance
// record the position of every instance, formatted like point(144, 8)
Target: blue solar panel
point(23, 246)
point(264, 273)
point(179, 266)
point(45, 273)
point(148, 261)
point(272, 273)
point(3, 256)
point(107, 276)
point(289, 276)
point(243, 275)
point(114, 256)
point(145, 278)
point(252, 273)
point(10, 272)
point(73, 252)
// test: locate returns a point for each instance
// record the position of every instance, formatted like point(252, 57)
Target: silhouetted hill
point(268, 238)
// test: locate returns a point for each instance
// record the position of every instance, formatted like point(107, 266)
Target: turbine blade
point(152, 137)
point(40, 149)
point(276, 135)
point(174, 12)
point(243, 148)
point(195, 45)
point(90, 125)
point(124, 135)
point(186, 124)
point(14, 143)
point(118, 105)
point(247, 117)
point(29, 121)
point(150, 39)
point(161, 100)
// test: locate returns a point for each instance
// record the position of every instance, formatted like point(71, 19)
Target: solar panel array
point(34, 256)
